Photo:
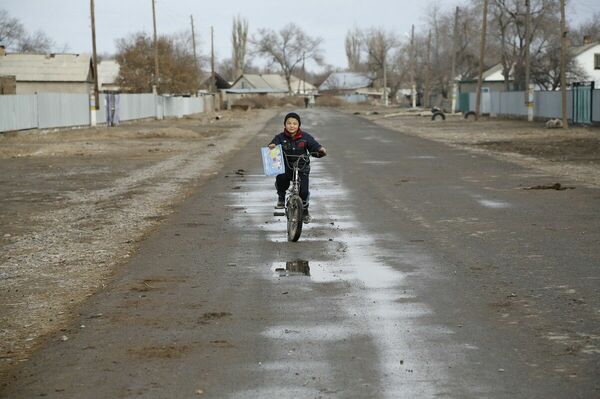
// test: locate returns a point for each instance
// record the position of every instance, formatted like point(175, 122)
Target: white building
point(588, 59)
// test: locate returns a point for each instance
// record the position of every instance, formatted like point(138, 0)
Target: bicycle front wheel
point(294, 218)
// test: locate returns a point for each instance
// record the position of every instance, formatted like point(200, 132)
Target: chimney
point(2, 50)
point(587, 39)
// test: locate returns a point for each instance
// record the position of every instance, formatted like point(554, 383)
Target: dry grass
point(264, 102)
point(329, 101)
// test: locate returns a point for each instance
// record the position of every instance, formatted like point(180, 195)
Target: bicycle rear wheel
point(294, 218)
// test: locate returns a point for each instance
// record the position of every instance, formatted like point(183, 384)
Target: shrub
point(329, 101)
point(266, 101)
point(296, 101)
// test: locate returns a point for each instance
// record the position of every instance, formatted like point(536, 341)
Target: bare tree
point(11, 30)
point(36, 42)
point(14, 37)
point(288, 48)
point(353, 48)
point(589, 29)
point(239, 40)
point(377, 44)
point(509, 22)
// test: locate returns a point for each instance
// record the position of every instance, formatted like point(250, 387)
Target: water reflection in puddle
point(294, 268)
point(318, 273)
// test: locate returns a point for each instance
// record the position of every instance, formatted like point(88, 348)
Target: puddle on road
point(294, 268)
point(376, 301)
point(494, 204)
point(317, 273)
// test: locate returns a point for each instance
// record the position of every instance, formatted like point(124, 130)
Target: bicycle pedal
point(278, 213)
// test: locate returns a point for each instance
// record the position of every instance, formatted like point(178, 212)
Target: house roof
point(107, 72)
point(272, 82)
point(492, 71)
point(582, 49)
point(47, 67)
point(345, 81)
point(222, 83)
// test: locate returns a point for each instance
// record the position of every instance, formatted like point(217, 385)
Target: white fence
point(53, 110)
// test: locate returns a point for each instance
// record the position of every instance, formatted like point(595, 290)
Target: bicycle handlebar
point(305, 157)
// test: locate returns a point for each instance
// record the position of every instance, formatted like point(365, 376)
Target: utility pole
point(156, 72)
point(413, 91)
point(96, 105)
point(453, 73)
point(385, 97)
point(194, 47)
point(213, 80)
point(563, 51)
point(481, 58)
point(427, 94)
point(304, 73)
point(528, 85)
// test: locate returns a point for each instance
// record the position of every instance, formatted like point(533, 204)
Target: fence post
point(93, 109)
point(530, 104)
point(37, 108)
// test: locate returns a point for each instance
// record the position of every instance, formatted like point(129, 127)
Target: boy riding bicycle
point(294, 143)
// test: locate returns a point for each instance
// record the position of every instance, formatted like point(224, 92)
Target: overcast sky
point(67, 22)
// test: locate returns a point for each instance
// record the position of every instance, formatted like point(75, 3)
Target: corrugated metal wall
point(101, 113)
point(50, 110)
point(62, 110)
point(137, 106)
point(596, 106)
point(547, 104)
point(18, 112)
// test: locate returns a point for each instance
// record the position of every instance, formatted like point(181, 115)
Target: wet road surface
point(427, 272)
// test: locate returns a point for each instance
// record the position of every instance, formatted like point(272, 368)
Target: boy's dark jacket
point(301, 143)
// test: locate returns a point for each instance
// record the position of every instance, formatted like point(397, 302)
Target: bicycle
point(294, 209)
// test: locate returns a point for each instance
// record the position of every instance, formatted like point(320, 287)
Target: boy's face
point(292, 125)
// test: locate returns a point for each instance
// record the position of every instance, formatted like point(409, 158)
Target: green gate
point(582, 96)
point(463, 102)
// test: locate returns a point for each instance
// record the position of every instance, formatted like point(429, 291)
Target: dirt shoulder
point(572, 154)
point(76, 202)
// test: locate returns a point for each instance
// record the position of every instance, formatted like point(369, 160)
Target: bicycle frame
point(293, 205)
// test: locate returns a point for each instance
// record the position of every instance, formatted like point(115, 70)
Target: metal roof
point(271, 82)
point(47, 67)
point(345, 81)
point(108, 71)
point(255, 91)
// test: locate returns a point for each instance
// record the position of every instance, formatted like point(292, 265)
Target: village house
point(108, 71)
point(47, 73)
point(587, 58)
point(350, 87)
point(271, 84)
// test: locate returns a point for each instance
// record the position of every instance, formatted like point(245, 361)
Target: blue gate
point(582, 96)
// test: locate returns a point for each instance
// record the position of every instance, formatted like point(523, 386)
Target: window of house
point(596, 61)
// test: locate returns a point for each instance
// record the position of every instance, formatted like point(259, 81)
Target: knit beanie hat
point(292, 115)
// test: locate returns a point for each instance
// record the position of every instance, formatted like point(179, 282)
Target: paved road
point(427, 272)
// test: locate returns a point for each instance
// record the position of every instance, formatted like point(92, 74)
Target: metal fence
point(137, 106)
point(596, 106)
point(18, 112)
point(547, 104)
point(53, 110)
point(60, 110)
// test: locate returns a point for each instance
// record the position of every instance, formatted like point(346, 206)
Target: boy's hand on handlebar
point(322, 152)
